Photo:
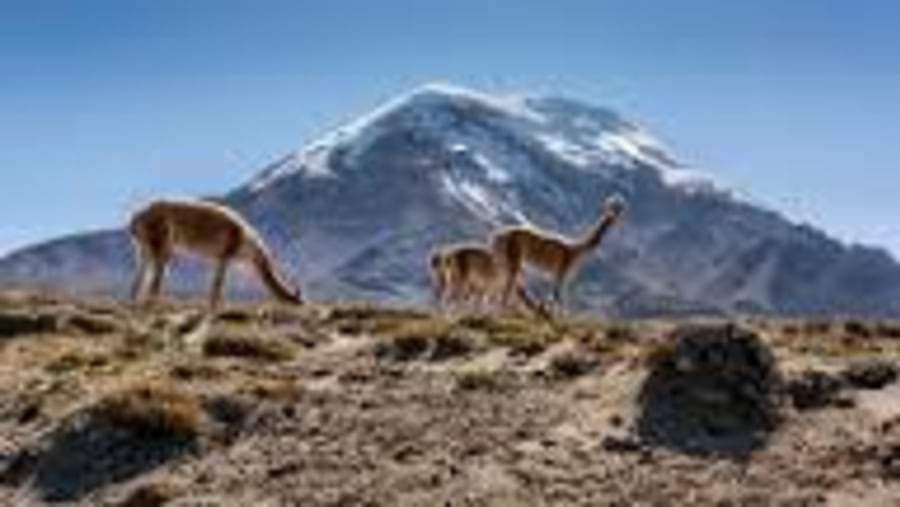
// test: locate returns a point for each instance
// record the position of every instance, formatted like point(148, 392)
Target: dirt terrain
point(347, 404)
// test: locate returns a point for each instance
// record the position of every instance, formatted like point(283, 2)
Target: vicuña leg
point(158, 271)
point(140, 278)
point(218, 282)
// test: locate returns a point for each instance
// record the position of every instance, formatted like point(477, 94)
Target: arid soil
point(344, 404)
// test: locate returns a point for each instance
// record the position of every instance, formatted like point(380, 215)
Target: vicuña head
point(203, 228)
point(614, 206)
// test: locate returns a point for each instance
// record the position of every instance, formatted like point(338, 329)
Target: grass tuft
point(470, 378)
point(249, 347)
point(152, 408)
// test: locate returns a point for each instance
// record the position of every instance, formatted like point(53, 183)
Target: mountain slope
point(354, 214)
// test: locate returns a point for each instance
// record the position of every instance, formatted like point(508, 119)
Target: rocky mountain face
point(353, 216)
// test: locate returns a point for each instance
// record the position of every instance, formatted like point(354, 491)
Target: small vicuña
point(468, 273)
point(204, 228)
point(462, 272)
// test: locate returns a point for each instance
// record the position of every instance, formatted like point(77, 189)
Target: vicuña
point(205, 229)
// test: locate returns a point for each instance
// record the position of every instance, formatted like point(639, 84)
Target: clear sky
point(104, 103)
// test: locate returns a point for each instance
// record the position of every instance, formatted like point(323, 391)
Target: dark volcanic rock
point(713, 389)
point(815, 389)
point(871, 374)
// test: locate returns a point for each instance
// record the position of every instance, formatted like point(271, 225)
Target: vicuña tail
point(273, 281)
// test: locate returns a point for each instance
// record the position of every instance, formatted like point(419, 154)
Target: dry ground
point(347, 404)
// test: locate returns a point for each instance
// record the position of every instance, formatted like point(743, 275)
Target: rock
point(621, 444)
point(814, 389)
point(713, 389)
point(871, 374)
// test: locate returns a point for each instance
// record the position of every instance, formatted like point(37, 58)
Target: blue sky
point(104, 104)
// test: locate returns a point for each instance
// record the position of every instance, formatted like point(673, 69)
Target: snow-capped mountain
point(354, 214)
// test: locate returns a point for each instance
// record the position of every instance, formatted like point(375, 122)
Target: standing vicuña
point(517, 246)
point(206, 229)
point(463, 272)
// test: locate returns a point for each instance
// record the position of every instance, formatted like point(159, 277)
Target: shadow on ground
point(89, 454)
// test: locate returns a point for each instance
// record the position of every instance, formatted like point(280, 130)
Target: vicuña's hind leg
point(509, 259)
point(559, 288)
point(218, 282)
point(158, 271)
point(511, 272)
point(156, 251)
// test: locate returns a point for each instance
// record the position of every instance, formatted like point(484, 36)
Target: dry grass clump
point(188, 371)
point(471, 378)
point(857, 329)
point(888, 330)
point(152, 494)
point(16, 323)
point(280, 390)
point(817, 327)
point(248, 347)
point(572, 363)
point(135, 345)
point(434, 339)
point(620, 332)
point(367, 319)
point(92, 324)
point(76, 359)
point(153, 408)
point(523, 335)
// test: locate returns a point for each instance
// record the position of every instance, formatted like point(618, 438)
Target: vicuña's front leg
point(156, 280)
point(140, 280)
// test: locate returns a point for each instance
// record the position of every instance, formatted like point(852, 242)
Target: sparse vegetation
point(76, 360)
point(152, 494)
point(857, 329)
point(16, 323)
point(888, 330)
point(280, 390)
point(475, 378)
point(152, 408)
point(621, 332)
point(255, 347)
point(359, 319)
point(92, 324)
point(434, 340)
point(191, 370)
point(571, 363)
point(524, 336)
point(516, 391)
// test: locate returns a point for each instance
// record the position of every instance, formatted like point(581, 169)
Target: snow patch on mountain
point(581, 136)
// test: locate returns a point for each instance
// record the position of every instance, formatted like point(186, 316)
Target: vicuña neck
point(595, 235)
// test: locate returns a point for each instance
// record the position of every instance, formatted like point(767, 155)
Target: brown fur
point(206, 229)
point(465, 273)
point(461, 272)
point(515, 247)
